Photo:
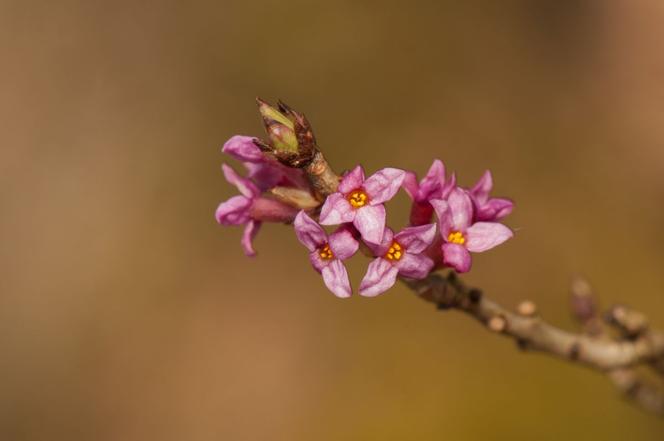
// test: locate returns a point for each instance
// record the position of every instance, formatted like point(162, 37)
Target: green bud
point(280, 129)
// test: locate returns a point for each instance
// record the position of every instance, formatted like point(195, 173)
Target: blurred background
point(127, 313)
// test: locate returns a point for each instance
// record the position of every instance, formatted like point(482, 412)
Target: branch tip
point(593, 348)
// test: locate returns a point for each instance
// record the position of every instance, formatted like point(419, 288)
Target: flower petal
point(442, 209)
point(343, 244)
point(432, 184)
point(264, 174)
point(235, 211)
point(494, 209)
point(352, 180)
point(308, 232)
point(243, 148)
point(250, 231)
point(461, 209)
point(502, 206)
point(246, 187)
point(383, 185)
point(336, 210)
point(381, 276)
point(414, 266)
point(416, 239)
point(450, 185)
point(483, 236)
point(483, 187)
point(335, 277)
point(410, 185)
point(370, 222)
point(379, 249)
point(456, 256)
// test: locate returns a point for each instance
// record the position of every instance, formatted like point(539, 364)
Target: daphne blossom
point(360, 201)
point(460, 235)
point(488, 208)
point(250, 209)
point(434, 185)
point(327, 252)
point(399, 254)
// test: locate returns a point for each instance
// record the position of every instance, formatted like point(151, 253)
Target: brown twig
point(616, 357)
point(631, 325)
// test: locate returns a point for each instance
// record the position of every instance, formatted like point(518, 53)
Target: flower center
point(456, 237)
point(358, 198)
point(326, 253)
point(395, 252)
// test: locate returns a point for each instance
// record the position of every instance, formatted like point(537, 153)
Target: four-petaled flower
point(488, 208)
point(460, 235)
point(327, 253)
point(250, 209)
point(434, 185)
point(399, 254)
point(360, 201)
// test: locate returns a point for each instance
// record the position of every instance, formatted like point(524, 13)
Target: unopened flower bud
point(280, 129)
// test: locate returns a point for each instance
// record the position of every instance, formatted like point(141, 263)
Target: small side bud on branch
point(582, 300)
point(527, 308)
point(497, 323)
point(631, 323)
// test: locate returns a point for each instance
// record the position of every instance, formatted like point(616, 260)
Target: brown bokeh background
point(126, 313)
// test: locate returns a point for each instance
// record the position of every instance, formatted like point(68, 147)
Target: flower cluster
point(447, 222)
point(251, 208)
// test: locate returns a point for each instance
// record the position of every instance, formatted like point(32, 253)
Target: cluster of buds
point(289, 181)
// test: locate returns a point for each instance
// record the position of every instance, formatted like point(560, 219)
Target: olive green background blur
point(127, 313)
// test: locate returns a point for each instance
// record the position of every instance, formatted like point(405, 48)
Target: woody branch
point(616, 356)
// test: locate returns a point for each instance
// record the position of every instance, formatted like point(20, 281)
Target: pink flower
point(327, 253)
point(432, 186)
point(487, 208)
point(460, 235)
point(399, 254)
point(361, 201)
point(250, 209)
point(265, 171)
